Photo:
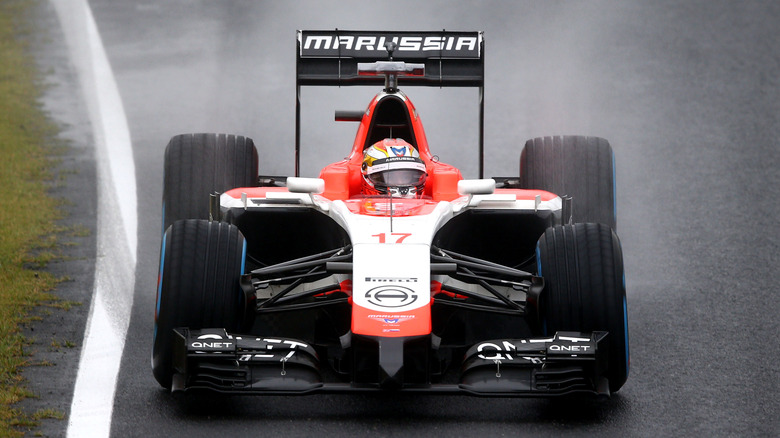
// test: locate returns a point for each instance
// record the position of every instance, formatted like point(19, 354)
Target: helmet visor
point(398, 178)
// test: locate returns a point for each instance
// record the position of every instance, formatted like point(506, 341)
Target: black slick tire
point(197, 165)
point(200, 267)
point(582, 266)
point(576, 166)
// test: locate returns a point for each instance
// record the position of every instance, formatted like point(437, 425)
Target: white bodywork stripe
point(112, 296)
point(404, 266)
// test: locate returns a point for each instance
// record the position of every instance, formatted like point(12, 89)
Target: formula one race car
point(390, 272)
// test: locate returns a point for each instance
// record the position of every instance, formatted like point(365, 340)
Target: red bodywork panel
point(391, 324)
point(343, 179)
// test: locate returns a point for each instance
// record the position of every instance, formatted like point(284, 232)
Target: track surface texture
point(687, 93)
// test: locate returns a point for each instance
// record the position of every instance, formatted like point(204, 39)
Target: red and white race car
point(390, 271)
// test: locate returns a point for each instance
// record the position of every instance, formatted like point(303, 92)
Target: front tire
point(585, 291)
point(201, 264)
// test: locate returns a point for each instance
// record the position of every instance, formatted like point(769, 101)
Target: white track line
point(112, 296)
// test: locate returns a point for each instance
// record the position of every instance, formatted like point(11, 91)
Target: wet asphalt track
point(687, 93)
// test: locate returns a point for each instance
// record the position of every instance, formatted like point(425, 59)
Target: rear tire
point(201, 264)
point(576, 166)
point(197, 165)
point(585, 291)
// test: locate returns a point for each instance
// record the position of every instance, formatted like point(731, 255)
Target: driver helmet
point(393, 167)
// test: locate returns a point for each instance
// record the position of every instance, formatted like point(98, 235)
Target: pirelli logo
point(409, 45)
point(391, 280)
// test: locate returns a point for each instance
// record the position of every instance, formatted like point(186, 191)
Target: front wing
point(566, 363)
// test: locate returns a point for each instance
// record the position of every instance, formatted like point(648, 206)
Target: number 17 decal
point(400, 237)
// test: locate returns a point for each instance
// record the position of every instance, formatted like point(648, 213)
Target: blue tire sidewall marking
point(538, 260)
point(614, 189)
point(625, 327)
point(539, 273)
point(159, 284)
point(241, 297)
point(625, 315)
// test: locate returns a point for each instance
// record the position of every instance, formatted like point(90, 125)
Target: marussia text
point(377, 43)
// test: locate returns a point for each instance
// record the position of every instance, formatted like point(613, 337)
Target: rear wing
point(331, 58)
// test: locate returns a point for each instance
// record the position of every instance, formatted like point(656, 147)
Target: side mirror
point(305, 185)
point(476, 186)
point(349, 116)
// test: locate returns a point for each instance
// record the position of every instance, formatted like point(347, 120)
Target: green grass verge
point(27, 215)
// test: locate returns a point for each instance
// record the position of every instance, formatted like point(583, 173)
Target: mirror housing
point(476, 186)
point(305, 185)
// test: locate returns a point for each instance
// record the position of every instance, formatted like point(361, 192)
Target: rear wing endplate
point(331, 57)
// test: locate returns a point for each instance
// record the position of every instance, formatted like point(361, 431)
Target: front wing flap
point(566, 363)
point(213, 359)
